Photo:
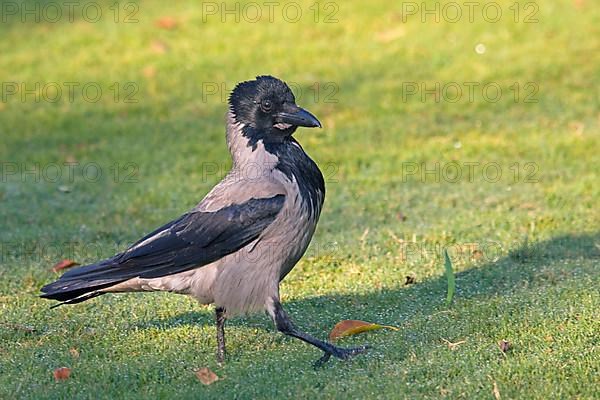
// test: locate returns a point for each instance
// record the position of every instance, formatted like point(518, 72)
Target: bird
point(240, 241)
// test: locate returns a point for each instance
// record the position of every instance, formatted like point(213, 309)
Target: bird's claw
point(341, 353)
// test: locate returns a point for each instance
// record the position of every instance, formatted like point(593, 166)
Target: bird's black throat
point(255, 135)
point(297, 166)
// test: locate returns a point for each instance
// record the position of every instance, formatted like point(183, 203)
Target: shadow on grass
point(530, 267)
point(412, 363)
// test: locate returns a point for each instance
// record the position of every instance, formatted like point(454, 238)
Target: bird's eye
point(266, 105)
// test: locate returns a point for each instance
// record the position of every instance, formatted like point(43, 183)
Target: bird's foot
point(341, 353)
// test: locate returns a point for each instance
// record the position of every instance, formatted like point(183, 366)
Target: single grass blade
point(450, 277)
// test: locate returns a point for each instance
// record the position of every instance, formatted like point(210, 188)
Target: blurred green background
point(112, 122)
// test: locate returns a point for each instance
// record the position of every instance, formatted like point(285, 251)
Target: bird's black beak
point(298, 116)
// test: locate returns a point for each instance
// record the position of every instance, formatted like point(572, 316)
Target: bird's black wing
point(193, 240)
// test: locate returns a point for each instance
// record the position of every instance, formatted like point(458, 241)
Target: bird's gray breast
point(305, 193)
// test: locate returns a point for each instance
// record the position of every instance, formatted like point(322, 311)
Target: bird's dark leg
point(220, 317)
point(285, 325)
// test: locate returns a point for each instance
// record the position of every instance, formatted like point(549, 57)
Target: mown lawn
point(81, 179)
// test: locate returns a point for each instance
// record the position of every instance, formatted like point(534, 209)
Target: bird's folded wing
point(193, 240)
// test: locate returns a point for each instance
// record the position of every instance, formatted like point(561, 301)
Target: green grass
point(525, 248)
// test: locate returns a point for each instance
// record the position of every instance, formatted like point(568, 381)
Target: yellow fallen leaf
point(206, 376)
point(352, 327)
point(391, 35)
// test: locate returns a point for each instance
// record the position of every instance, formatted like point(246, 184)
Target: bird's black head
point(268, 107)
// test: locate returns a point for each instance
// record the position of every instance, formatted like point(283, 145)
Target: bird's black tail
point(76, 285)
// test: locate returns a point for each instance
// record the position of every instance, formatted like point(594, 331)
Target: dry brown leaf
point(66, 263)
point(577, 127)
point(149, 71)
point(528, 206)
point(352, 327)
point(504, 345)
point(74, 352)
point(62, 374)
point(167, 23)
point(206, 376)
point(159, 47)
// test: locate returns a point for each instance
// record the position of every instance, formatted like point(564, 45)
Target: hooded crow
point(243, 238)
